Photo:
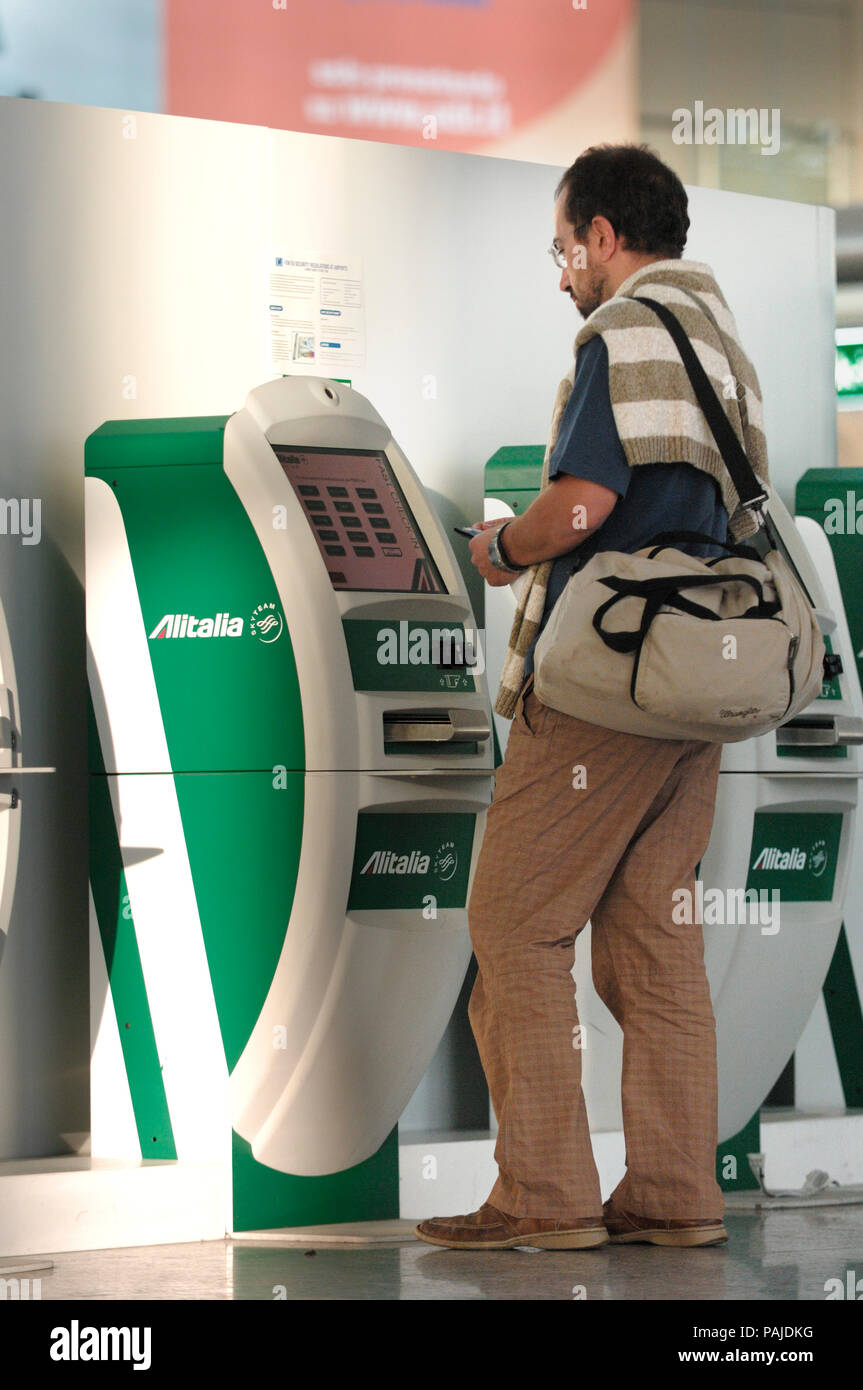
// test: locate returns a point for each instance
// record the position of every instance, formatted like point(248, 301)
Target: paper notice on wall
point(316, 315)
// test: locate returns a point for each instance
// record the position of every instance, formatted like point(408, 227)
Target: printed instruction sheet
point(316, 314)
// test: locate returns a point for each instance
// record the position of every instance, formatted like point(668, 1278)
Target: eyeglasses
point(557, 254)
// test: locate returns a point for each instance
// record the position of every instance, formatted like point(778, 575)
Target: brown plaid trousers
point(553, 857)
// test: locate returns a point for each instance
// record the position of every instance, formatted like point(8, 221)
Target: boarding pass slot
point(820, 731)
point(436, 726)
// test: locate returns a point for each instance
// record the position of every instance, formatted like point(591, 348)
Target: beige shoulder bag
point(673, 646)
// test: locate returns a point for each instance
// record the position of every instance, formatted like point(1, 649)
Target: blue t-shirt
point(653, 497)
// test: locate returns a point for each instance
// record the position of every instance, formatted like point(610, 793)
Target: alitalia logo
point(411, 860)
point(187, 625)
point(771, 857)
point(387, 861)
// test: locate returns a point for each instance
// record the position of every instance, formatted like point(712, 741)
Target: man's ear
point(611, 242)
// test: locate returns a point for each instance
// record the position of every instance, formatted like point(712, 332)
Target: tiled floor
point(777, 1255)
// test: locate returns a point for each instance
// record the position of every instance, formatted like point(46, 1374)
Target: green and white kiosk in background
point(291, 758)
point(833, 499)
point(785, 823)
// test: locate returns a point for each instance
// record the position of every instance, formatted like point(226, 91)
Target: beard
point(591, 297)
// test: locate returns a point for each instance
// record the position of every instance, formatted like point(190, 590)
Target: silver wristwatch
point(497, 555)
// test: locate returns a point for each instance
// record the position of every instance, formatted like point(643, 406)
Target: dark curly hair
point(643, 199)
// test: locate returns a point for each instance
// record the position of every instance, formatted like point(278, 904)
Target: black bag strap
point(749, 489)
point(664, 590)
point(670, 583)
point(667, 538)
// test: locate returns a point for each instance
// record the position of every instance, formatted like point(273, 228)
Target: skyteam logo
point(177, 625)
point(266, 622)
point(446, 861)
point(818, 858)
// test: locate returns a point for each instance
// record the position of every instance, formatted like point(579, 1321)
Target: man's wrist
point(499, 556)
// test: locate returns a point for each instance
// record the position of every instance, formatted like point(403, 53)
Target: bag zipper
point(792, 652)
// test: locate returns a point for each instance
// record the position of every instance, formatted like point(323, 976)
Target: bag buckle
point(756, 503)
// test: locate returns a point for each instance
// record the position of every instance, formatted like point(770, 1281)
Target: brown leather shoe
point(490, 1229)
point(624, 1228)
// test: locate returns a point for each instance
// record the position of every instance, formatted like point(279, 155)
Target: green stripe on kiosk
point(289, 811)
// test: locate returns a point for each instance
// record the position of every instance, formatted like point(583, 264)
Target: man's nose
point(564, 281)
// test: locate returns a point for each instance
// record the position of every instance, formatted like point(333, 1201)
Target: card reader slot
point(435, 725)
point(820, 731)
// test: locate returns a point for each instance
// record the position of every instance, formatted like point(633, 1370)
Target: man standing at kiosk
point(588, 823)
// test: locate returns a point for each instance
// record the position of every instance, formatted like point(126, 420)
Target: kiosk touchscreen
point(292, 757)
point(366, 537)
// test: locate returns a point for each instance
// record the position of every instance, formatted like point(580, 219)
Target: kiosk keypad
point(369, 525)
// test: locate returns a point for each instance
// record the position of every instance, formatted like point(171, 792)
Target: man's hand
point(479, 554)
point(559, 519)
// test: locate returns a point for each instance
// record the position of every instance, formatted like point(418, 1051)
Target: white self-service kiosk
point(291, 760)
point(784, 827)
point(13, 776)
